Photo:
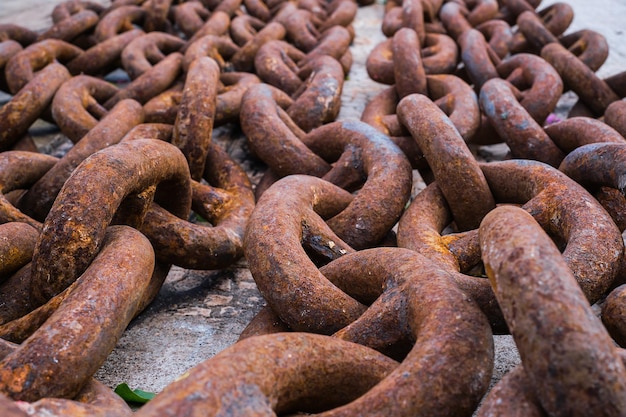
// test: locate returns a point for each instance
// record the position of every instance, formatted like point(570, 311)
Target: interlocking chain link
point(382, 293)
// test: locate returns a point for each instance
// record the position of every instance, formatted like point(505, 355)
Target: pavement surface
point(199, 313)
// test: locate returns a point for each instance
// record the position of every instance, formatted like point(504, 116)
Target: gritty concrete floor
point(199, 313)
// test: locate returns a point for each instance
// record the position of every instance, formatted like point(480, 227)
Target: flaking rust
point(331, 234)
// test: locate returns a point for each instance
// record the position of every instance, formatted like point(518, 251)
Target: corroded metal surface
point(174, 118)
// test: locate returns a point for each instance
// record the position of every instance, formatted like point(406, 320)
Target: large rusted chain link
point(217, 24)
point(13, 39)
point(319, 99)
point(38, 200)
point(593, 277)
point(164, 107)
point(244, 27)
point(380, 113)
point(288, 218)
point(513, 123)
point(68, 8)
point(455, 98)
point(193, 126)
point(258, 10)
point(230, 7)
point(59, 358)
point(312, 72)
point(616, 83)
point(72, 27)
point(567, 136)
point(358, 152)
point(334, 42)
point(19, 171)
point(157, 15)
point(20, 34)
point(102, 58)
point(225, 201)
point(311, 198)
point(589, 46)
point(220, 48)
point(190, 17)
point(8, 48)
point(23, 319)
point(598, 166)
point(542, 191)
point(538, 85)
point(306, 26)
point(422, 283)
point(79, 105)
point(17, 244)
point(509, 10)
point(325, 15)
point(418, 15)
point(478, 57)
point(615, 116)
point(281, 373)
point(29, 104)
point(498, 34)
point(22, 67)
point(592, 90)
point(142, 53)
point(336, 13)
point(314, 81)
point(438, 52)
point(17, 283)
point(554, 19)
point(160, 163)
point(276, 63)
point(232, 86)
point(412, 286)
point(243, 59)
point(94, 399)
point(300, 26)
point(409, 73)
point(572, 365)
point(460, 16)
point(118, 20)
point(421, 230)
point(368, 161)
point(575, 132)
point(453, 165)
point(273, 136)
point(150, 83)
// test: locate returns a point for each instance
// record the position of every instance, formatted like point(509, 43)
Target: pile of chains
point(379, 302)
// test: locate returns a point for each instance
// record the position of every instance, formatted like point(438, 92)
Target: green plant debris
point(136, 396)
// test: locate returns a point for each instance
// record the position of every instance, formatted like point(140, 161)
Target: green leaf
point(133, 396)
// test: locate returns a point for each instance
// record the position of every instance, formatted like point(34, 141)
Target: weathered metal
point(583, 376)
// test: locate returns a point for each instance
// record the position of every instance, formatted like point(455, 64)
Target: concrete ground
point(199, 313)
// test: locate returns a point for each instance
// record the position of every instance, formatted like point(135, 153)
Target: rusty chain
point(394, 280)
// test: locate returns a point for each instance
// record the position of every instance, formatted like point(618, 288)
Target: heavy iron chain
point(379, 301)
